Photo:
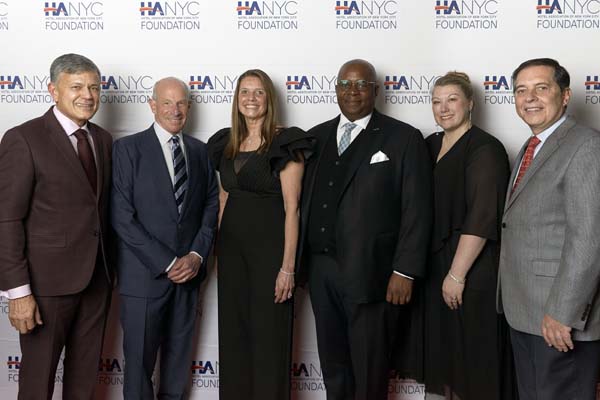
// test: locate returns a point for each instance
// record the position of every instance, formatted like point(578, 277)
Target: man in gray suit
point(550, 257)
point(164, 210)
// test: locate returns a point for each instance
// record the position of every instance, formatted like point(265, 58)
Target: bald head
point(169, 82)
point(364, 65)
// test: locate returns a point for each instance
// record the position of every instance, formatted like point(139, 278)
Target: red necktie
point(86, 156)
point(527, 159)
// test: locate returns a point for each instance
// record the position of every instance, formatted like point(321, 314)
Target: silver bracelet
point(285, 272)
point(455, 279)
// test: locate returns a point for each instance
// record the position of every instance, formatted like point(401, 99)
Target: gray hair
point(72, 64)
point(184, 85)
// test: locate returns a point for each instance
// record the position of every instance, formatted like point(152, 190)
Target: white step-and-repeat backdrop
point(300, 44)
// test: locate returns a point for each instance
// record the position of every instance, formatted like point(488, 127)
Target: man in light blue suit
point(164, 209)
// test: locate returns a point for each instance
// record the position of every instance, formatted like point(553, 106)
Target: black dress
point(255, 334)
point(467, 350)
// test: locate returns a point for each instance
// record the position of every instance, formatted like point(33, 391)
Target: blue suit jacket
point(150, 231)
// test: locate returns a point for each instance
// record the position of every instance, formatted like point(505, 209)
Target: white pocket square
point(378, 157)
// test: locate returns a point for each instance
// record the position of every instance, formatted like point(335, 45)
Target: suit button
point(330, 183)
point(325, 205)
point(325, 250)
point(322, 229)
point(503, 225)
point(96, 233)
point(337, 163)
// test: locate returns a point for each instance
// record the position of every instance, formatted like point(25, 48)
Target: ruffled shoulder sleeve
point(291, 144)
point(216, 145)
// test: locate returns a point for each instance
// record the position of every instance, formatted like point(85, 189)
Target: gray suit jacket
point(550, 255)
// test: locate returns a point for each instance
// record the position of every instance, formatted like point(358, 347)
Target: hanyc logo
point(205, 375)
point(267, 15)
point(126, 89)
point(24, 89)
point(13, 364)
point(169, 15)
point(408, 89)
point(311, 89)
point(3, 16)
point(592, 89)
point(497, 90)
point(398, 386)
point(212, 89)
point(110, 371)
point(466, 14)
point(568, 14)
point(73, 15)
point(362, 15)
point(307, 377)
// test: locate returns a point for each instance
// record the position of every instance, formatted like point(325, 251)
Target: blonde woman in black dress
point(261, 168)
point(467, 351)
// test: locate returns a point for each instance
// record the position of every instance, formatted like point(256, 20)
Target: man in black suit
point(365, 233)
point(164, 210)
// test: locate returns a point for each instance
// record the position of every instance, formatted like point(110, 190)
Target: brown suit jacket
point(52, 226)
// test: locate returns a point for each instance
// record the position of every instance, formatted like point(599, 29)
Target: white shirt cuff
point(405, 276)
point(17, 292)
point(171, 265)
point(173, 262)
point(201, 258)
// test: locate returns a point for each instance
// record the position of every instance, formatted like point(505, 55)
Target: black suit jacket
point(384, 212)
point(144, 214)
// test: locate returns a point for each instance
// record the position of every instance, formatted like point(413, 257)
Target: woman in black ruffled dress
point(261, 168)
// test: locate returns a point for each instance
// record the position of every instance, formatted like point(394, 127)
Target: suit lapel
point(153, 151)
point(362, 154)
point(99, 149)
point(193, 172)
point(61, 140)
point(550, 146)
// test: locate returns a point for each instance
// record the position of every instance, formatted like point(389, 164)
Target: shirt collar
point(67, 124)
point(163, 135)
point(363, 122)
point(545, 134)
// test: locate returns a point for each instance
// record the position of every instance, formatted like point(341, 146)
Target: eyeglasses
point(360, 84)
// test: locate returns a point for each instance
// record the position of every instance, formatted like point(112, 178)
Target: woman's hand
point(284, 286)
point(452, 292)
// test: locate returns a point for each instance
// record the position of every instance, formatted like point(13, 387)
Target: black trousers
point(354, 340)
point(546, 373)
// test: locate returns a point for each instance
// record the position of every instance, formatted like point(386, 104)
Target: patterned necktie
point(179, 172)
point(345, 139)
point(527, 159)
point(86, 157)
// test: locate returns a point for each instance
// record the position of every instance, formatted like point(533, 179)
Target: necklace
point(249, 140)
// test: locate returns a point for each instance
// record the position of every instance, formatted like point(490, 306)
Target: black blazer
point(384, 212)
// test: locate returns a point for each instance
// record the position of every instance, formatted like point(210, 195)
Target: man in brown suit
point(54, 193)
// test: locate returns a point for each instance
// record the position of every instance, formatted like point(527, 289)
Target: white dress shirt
point(164, 138)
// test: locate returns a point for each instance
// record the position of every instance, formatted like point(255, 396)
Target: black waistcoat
point(326, 194)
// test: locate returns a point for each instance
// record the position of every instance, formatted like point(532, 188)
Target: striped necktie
point(526, 161)
point(179, 172)
point(345, 139)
